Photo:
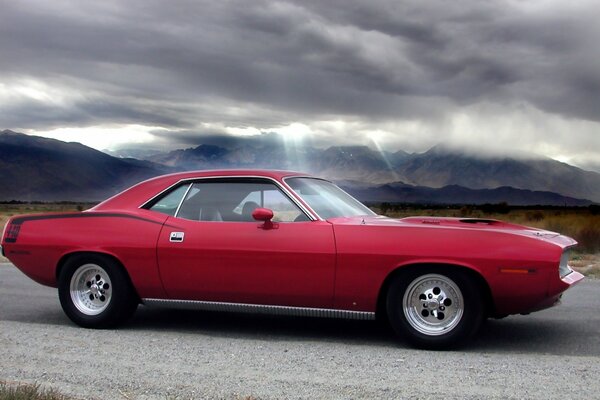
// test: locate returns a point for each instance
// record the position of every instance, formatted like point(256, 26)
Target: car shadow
point(260, 326)
point(539, 334)
point(515, 334)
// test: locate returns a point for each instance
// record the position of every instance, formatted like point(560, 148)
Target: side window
point(269, 196)
point(169, 202)
point(234, 201)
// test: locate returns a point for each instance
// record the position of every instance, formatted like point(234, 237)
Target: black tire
point(435, 308)
point(95, 291)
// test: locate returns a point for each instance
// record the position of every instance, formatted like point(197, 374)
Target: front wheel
point(435, 309)
point(95, 292)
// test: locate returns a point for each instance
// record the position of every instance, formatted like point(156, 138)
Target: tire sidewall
point(121, 300)
point(470, 321)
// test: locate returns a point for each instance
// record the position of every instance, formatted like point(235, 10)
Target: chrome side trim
point(261, 309)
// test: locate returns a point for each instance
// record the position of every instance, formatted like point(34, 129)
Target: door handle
point(176, 237)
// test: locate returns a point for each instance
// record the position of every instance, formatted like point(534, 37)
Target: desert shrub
point(589, 239)
point(385, 207)
point(28, 392)
point(534, 216)
point(498, 208)
point(466, 211)
point(559, 225)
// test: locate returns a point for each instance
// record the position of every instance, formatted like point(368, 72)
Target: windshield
point(326, 199)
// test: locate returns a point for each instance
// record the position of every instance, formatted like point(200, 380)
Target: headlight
point(563, 268)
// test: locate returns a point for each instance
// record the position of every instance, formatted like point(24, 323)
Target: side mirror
point(265, 215)
point(262, 214)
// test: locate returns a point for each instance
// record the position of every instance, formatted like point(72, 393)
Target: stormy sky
point(491, 76)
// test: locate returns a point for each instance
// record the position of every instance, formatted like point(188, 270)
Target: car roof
point(138, 194)
point(269, 173)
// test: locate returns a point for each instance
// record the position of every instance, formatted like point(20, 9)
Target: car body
point(286, 243)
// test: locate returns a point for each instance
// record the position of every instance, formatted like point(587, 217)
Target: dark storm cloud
point(181, 64)
point(219, 138)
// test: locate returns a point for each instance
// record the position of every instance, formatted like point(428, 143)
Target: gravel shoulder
point(164, 354)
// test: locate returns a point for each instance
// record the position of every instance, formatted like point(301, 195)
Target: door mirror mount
point(265, 215)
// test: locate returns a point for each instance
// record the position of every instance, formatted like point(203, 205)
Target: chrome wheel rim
point(433, 304)
point(91, 289)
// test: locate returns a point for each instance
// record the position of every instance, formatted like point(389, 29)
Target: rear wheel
point(95, 292)
point(435, 308)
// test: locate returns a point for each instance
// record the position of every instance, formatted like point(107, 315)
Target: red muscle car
point(286, 243)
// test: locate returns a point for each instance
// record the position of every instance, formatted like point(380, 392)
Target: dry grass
point(8, 210)
point(23, 391)
point(587, 264)
point(580, 224)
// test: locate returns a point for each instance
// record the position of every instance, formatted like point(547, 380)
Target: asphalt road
point(167, 354)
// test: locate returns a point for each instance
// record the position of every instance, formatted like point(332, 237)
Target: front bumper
point(572, 278)
point(566, 282)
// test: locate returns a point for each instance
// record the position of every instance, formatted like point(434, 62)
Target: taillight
point(11, 231)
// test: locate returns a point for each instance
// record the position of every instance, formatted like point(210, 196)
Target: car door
point(213, 250)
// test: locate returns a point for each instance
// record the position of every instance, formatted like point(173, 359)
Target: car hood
point(473, 224)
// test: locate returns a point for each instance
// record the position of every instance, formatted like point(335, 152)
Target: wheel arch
point(381, 310)
point(66, 257)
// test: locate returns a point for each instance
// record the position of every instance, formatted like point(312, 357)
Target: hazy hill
point(336, 162)
point(440, 167)
point(436, 168)
point(36, 168)
point(453, 194)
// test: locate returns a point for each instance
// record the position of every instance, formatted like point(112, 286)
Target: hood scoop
point(482, 221)
point(453, 221)
point(483, 224)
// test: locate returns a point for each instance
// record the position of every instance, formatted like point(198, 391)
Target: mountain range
point(36, 168)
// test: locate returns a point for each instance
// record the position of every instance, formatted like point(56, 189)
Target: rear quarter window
point(169, 202)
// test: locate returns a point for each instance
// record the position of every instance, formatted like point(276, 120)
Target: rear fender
point(67, 257)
